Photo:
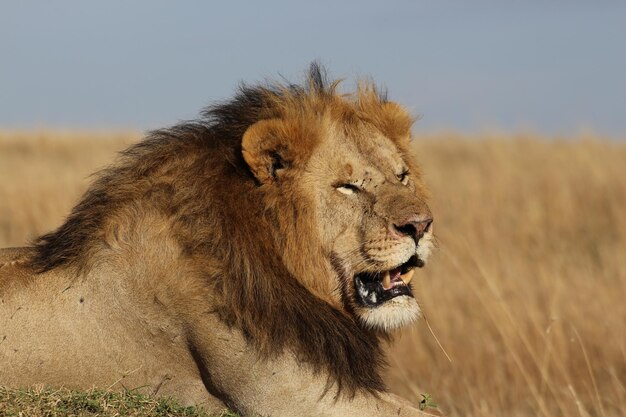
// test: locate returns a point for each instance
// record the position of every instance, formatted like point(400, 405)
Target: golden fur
point(238, 236)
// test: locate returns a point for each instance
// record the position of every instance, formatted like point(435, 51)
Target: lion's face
point(374, 223)
point(354, 198)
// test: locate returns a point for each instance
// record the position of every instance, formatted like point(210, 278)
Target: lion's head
point(340, 170)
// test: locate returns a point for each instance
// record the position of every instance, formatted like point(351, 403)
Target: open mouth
point(374, 288)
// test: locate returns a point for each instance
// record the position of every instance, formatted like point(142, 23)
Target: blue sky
point(553, 66)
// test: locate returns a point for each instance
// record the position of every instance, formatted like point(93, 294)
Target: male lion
point(253, 259)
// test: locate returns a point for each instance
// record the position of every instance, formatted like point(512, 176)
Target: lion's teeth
point(406, 278)
point(387, 281)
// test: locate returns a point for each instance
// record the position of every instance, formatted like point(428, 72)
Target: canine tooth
point(406, 278)
point(387, 281)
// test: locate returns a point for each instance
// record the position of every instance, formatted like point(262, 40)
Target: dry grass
point(526, 294)
point(92, 403)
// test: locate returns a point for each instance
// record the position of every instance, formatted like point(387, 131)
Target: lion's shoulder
point(14, 256)
point(14, 264)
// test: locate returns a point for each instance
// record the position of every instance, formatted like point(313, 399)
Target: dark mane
point(221, 126)
point(194, 173)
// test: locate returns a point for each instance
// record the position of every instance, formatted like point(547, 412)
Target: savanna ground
point(526, 294)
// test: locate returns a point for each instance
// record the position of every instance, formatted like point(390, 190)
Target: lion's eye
point(404, 178)
point(348, 188)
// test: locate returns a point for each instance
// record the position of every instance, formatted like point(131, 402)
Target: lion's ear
point(265, 149)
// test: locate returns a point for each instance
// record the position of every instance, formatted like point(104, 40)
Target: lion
point(255, 259)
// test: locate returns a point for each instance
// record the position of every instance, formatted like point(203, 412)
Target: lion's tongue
point(395, 277)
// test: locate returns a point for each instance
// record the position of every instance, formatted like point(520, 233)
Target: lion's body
point(60, 331)
point(186, 271)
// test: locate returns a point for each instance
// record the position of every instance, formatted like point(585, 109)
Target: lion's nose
point(414, 227)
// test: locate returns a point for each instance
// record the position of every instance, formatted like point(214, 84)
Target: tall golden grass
point(526, 294)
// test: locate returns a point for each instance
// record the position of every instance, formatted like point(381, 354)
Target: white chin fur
point(391, 315)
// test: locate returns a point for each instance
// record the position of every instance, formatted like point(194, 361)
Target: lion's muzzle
point(415, 227)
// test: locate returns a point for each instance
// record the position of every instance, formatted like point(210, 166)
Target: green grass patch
point(63, 402)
